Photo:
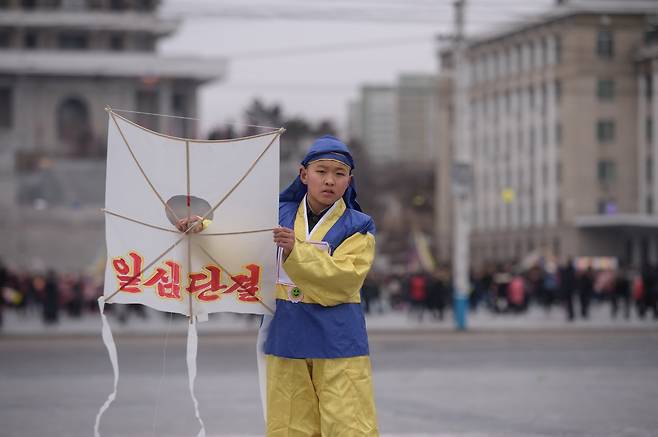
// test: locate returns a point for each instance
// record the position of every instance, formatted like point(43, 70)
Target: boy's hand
point(285, 239)
point(195, 222)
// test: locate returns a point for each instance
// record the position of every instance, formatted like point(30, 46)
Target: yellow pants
point(320, 397)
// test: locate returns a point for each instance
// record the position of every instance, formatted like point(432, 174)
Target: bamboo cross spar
point(153, 180)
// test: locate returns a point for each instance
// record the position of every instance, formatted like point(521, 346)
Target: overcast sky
point(360, 42)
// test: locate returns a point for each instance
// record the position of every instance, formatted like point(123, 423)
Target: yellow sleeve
point(331, 280)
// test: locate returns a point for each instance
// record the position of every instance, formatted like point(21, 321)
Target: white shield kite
point(154, 180)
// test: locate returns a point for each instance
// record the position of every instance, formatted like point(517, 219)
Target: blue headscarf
point(326, 147)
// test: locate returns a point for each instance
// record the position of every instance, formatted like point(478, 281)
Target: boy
point(318, 369)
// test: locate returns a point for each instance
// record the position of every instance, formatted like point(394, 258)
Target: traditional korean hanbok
point(318, 367)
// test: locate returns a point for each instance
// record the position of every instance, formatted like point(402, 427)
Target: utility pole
point(462, 174)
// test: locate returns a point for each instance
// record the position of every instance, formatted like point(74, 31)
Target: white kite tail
point(192, 344)
point(111, 347)
point(262, 361)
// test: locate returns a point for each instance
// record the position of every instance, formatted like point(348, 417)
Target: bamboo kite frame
point(186, 234)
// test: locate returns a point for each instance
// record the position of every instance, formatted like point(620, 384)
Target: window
point(607, 207)
point(6, 108)
point(606, 172)
point(73, 5)
point(649, 204)
point(29, 4)
point(30, 40)
point(649, 169)
point(558, 49)
point(558, 133)
point(117, 5)
point(116, 43)
point(5, 38)
point(558, 91)
point(649, 87)
point(556, 246)
point(605, 131)
point(147, 101)
point(558, 172)
point(74, 126)
point(605, 89)
point(73, 41)
point(605, 47)
point(144, 42)
point(649, 130)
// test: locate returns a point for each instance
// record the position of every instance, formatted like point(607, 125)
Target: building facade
point(397, 123)
point(62, 62)
point(554, 135)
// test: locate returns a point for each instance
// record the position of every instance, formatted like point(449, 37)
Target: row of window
point(111, 5)
point(605, 134)
point(531, 55)
point(77, 110)
point(519, 58)
point(506, 216)
point(536, 96)
point(69, 40)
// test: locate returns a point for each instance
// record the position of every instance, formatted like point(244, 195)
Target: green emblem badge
point(295, 294)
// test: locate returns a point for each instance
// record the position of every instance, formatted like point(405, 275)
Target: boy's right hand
point(285, 239)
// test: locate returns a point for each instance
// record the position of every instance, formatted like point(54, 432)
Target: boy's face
point(326, 180)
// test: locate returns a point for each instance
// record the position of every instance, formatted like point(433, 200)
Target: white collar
point(328, 211)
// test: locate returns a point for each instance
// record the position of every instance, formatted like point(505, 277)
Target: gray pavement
point(156, 323)
point(580, 383)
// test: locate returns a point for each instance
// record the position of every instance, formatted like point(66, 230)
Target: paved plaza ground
point(516, 379)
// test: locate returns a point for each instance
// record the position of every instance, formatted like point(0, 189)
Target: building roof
point(109, 64)
point(89, 20)
point(568, 9)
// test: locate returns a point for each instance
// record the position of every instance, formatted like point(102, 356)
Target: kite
point(153, 181)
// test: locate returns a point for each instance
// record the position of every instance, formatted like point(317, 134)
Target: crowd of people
point(49, 294)
point(499, 288)
point(508, 288)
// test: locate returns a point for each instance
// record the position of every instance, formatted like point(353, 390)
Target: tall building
point(397, 123)
point(417, 102)
point(61, 63)
point(378, 125)
point(561, 161)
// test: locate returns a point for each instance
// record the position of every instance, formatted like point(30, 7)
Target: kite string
point(164, 363)
point(190, 118)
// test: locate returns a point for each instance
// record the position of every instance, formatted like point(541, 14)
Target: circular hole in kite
point(178, 204)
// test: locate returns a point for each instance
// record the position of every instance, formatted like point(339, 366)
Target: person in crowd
point(567, 281)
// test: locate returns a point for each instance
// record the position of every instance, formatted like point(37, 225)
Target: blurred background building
point(397, 123)
point(561, 116)
point(396, 126)
point(61, 63)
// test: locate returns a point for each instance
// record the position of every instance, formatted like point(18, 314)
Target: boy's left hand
point(285, 239)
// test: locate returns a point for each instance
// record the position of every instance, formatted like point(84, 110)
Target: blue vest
point(304, 330)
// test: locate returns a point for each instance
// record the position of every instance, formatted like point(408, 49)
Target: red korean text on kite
point(246, 286)
point(166, 280)
point(128, 273)
point(206, 285)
